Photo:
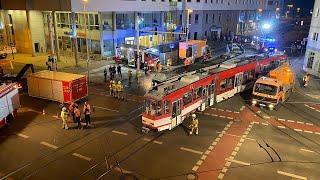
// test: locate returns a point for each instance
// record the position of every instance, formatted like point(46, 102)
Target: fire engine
point(169, 103)
point(9, 103)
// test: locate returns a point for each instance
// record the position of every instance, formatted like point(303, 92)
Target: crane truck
point(269, 92)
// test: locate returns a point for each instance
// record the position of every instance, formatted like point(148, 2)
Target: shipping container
point(58, 86)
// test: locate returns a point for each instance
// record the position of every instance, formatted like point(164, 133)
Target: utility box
point(58, 86)
point(192, 48)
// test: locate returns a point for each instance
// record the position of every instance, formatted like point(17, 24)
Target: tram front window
point(153, 107)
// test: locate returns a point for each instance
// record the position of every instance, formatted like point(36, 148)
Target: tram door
point(210, 99)
point(238, 82)
point(176, 113)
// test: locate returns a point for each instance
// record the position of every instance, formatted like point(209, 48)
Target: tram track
point(131, 116)
point(261, 116)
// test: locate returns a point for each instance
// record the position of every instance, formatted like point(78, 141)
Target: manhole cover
point(192, 176)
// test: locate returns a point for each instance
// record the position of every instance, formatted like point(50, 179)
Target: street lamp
point(85, 34)
point(189, 11)
point(139, 20)
point(266, 26)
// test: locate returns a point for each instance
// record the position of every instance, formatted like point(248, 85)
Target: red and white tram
point(167, 105)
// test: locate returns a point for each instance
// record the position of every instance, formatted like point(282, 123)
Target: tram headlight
point(254, 102)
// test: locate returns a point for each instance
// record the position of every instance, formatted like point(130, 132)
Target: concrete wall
point(41, 5)
point(121, 5)
point(21, 31)
point(314, 45)
point(37, 29)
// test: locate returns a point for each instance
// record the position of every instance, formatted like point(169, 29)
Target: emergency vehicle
point(193, 49)
point(274, 89)
point(168, 104)
point(9, 102)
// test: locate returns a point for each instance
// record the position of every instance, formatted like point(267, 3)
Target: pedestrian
point(71, 109)
point(105, 73)
point(114, 71)
point(194, 126)
point(129, 76)
point(64, 116)
point(306, 79)
point(119, 71)
point(114, 89)
point(49, 63)
point(87, 113)
point(110, 72)
point(78, 116)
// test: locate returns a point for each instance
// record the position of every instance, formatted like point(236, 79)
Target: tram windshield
point(266, 89)
point(153, 107)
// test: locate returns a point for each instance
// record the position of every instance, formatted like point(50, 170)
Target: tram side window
point(197, 93)
point(153, 108)
point(166, 107)
point(230, 82)
point(187, 98)
point(248, 76)
point(223, 85)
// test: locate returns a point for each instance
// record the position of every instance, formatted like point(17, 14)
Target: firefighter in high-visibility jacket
point(114, 89)
point(306, 79)
point(119, 90)
point(194, 126)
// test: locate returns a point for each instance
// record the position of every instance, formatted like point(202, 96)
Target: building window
point(196, 19)
point(205, 34)
point(195, 35)
point(206, 18)
point(219, 17)
point(310, 60)
point(315, 36)
point(213, 18)
point(189, 19)
point(198, 0)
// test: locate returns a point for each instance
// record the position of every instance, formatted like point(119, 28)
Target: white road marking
point(49, 145)
point(191, 150)
point(22, 135)
point(317, 133)
point(290, 121)
point(281, 119)
point(266, 124)
point(122, 170)
point(292, 175)
point(98, 107)
point(306, 150)
point(119, 132)
point(207, 152)
point(147, 139)
point(267, 117)
point(236, 149)
point(224, 170)
point(299, 130)
point(230, 118)
point(229, 111)
point(237, 112)
point(308, 131)
point(157, 142)
point(195, 168)
point(220, 176)
point(231, 157)
point(199, 162)
point(299, 122)
point(217, 139)
point(203, 157)
point(239, 144)
point(238, 162)
point(81, 156)
point(312, 108)
point(220, 135)
point(258, 112)
point(210, 148)
point(228, 163)
point(310, 124)
point(214, 143)
point(234, 153)
point(241, 140)
point(282, 127)
point(222, 116)
point(220, 109)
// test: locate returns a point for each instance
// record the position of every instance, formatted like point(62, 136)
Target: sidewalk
point(312, 90)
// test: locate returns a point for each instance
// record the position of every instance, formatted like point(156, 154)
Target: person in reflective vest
point(110, 88)
point(114, 89)
point(119, 90)
point(306, 79)
point(194, 126)
point(64, 117)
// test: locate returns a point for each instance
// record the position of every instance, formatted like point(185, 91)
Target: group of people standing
point(113, 71)
point(75, 113)
point(116, 89)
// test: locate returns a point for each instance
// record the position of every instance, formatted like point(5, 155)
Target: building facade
point(106, 26)
point(312, 56)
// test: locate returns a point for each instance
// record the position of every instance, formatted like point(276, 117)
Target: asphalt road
point(236, 141)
